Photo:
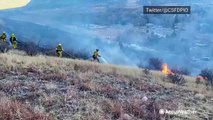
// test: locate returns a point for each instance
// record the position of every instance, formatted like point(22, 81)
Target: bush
point(208, 74)
point(177, 79)
point(146, 71)
point(182, 71)
point(155, 63)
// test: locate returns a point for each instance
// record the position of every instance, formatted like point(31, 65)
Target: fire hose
point(68, 54)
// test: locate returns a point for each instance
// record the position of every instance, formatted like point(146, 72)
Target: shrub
point(182, 71)
point(146, 71)
point(201, 80)
point(177, 79)
point(208, 74)
point(155, 63)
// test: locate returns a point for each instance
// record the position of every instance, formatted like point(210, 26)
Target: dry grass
point(190, 85)
point(81, 90)
point(14, 110)
point(57, 65)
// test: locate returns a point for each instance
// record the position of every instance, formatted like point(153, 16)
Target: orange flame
point(166, 70)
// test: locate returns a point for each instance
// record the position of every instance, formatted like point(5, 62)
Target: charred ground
point(41, 87)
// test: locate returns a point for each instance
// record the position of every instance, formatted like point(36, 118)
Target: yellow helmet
point(13, 35)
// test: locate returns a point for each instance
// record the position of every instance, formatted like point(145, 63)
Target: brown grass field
point(49, 88)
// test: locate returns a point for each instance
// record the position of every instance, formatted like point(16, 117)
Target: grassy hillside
point(46, 88)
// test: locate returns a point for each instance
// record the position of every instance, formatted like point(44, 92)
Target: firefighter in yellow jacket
point(13, 40)
point(96, 55)
point(3, 37)
point(59, 50)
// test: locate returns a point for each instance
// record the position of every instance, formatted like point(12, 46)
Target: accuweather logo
point(176, 112)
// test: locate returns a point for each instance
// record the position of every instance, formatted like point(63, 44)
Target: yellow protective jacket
point(3, 36)
point(13, 39)
point(59, 48)
point(96, 54)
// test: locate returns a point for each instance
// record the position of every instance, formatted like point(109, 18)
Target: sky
point(7, 4)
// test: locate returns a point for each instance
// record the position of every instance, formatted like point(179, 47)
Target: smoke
point(119, 29)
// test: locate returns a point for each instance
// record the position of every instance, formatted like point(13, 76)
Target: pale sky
point(7, 4)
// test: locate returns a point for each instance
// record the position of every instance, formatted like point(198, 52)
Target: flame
point(166, 70)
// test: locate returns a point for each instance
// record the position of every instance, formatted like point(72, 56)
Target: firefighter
point(3, 37)
point(59, 50)
point(96, 55)
point(13, 41)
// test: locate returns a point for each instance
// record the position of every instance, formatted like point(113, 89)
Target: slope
point(52, 88)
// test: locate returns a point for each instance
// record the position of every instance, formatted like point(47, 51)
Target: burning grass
point(174, 77)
